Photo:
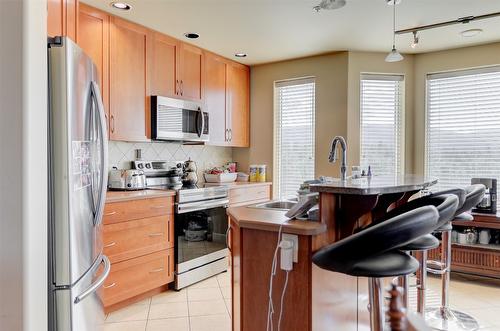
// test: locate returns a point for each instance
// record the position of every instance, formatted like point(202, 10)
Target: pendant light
point(394, 55)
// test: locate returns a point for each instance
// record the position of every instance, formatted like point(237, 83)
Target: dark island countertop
point(375, 185)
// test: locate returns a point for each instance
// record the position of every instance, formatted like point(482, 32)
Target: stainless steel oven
point(175, 119)
point(201, 227)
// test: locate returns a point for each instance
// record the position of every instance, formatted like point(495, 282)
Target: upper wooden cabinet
point(191, 69)
point(93, 38)
point(128, 52)
point(163, 70)
point(215, 98)
point(62, 18)
point(238, 104)
point(227, 101)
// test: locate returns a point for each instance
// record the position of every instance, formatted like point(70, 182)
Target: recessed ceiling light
point(471, 33)
point(121, 5)
point(240, 55)
point(191, 35)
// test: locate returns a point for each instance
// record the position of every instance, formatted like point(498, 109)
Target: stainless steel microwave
point(175, 119)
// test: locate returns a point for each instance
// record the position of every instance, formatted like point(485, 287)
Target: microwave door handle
point(202, 122)
point(104, 151)
point(98, 283)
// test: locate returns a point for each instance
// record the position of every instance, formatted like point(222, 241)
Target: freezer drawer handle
point(110, 285)
point(156, 270)
point(98, 283)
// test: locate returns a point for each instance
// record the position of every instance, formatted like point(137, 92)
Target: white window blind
point(463, 126)
point(294, 135)
point(381, 123)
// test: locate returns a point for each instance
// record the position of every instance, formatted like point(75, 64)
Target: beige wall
point(330, 72)
point(368, 62)
point(460, 58)
point(337, 100)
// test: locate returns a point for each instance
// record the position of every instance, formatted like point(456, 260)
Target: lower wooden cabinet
point(126, 240)
point(242, 195)
point(138, 275)
point(138, 238)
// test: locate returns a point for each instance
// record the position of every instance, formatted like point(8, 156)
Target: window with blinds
point(382, 123)
point(294, 135)
point(463, 126)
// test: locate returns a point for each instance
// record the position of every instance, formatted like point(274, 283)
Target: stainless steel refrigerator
point(77, 189)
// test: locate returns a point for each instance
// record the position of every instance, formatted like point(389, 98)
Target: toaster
point(127, 180)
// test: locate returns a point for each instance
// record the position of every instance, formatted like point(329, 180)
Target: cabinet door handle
point(182, 87)
point(227, 237)
point(176, 87)
point(156, 234)
point(230, 134)
point(156, 270)
point(111, 244)
point(110, 214)
point(113, 123)
point(110, 285)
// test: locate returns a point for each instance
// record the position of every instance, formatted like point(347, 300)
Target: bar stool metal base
point(446, 319)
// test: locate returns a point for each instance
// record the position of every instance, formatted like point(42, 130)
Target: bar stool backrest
point(474, 195)
point(446, 205)
point(380, 238)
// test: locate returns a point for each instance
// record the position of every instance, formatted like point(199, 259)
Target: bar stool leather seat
point(426, 243)
point(374, 253)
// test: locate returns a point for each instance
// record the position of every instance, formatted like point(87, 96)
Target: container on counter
point(253, 172)
point(261, 173)
point(242, 177)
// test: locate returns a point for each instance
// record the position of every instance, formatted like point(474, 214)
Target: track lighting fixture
point(414, 43)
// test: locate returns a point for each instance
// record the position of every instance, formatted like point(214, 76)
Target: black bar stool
point(444, 318)
point(374, 253)
point(446, 205)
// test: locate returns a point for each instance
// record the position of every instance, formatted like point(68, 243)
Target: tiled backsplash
point(121, 153)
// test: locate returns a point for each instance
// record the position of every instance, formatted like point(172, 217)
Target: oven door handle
point(201, 205)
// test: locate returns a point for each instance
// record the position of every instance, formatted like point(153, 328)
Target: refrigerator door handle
point(96, 93)
point(98, 283)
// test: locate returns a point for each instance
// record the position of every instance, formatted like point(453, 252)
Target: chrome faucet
point(333, 155)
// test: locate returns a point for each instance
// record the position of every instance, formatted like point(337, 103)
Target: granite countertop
point(376, 185)
point(270, 220)
point(117, 196)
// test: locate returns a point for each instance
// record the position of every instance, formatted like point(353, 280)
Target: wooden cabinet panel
point(236, 275)
point(93, 38)
point(215, 98)
point(238, 103)
point(253, 194)
point(130, 239)
point(136, 276)
point(62, 18)
point(191, 72)
point(164, 76)
point(131, 210)
point(128, 87)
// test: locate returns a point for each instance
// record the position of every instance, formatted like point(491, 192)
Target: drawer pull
point(157, 234)
point(156, 270)
point(110, 285)
point(110, 214)
point(110, 244)
point(158, 207)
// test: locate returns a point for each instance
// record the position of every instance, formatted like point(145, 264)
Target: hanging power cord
point(282, 300)
point(270, 310)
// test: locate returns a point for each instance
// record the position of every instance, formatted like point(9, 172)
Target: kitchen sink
point(277, 205)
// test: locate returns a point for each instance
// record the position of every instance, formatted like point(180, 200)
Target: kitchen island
point(315, 299)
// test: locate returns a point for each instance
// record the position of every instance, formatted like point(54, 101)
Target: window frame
point(446, 74)
point(402, 143)
point(276, 110)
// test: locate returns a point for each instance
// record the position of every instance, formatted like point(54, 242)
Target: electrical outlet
point(295, 239)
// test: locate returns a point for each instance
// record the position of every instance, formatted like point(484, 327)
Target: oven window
point(200, 233)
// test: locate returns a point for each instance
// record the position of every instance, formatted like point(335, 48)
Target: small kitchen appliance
point(160, 174)
point(489, 203)
point(178, 120)
point(126, 180)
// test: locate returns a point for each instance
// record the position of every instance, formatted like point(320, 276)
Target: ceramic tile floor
point(206, 306)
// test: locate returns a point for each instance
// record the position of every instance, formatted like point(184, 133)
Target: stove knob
point(140, 166)
point(148, 165)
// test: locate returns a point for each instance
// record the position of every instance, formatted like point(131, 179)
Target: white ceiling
point(273, 30)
